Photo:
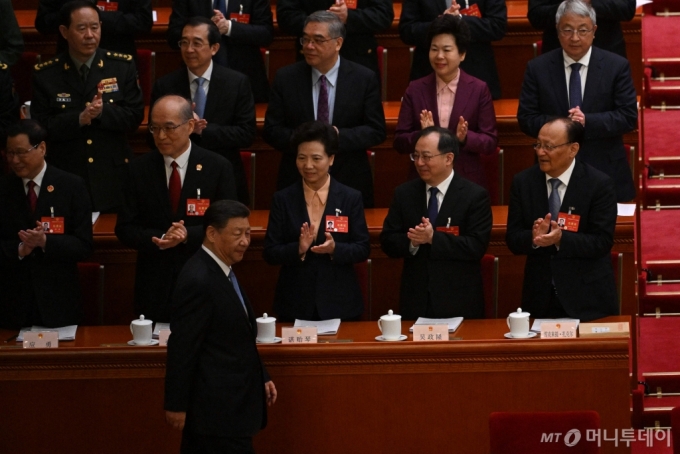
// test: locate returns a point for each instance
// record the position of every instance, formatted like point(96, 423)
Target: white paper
point(66, 333)
point(625, 209)
point(453, 323)
point(322, 326)
point(159, 326)
point(640, 3)
point(536, 327)
point(95, 216)
point(155, 15)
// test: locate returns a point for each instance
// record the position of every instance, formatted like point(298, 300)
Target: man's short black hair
point(69, 7)
point(448, 24)
point(316, 131)
point(219, 213)
point(575, 130)
point(35, 132)
point(214, 36)
point(448, 143)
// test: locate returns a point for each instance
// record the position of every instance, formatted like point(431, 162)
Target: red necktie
point(32, 198)
point(174, 187)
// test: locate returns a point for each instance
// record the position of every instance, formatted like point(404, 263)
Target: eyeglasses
point(568, 32)
point(19, 153)
point(425, 157)
point(166, 129)
point(549, 148)
point(315, 41)
point(185, 43)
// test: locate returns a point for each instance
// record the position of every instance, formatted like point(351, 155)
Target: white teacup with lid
point(518, 322)
point(266, 329)
point(141, 330)
point(390, 326)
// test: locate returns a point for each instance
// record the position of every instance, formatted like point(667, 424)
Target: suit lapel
point(46, 197)
point(571, 197)
point(539, 193)
point(228, 289)
point(430, 96)
point(213, 99)
point(450, 200)
point(96, 74)
point(559, 80)
point(72, 76)
point(192, 179)
point(595, 70)
point(462, 99)
point(332, 202)
point(160, 183)
point(343, 91)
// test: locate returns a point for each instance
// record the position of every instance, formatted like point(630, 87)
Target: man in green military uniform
point(89, 99)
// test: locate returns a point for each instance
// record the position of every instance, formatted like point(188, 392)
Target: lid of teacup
point(519, 314)
point(266, 319)
point(142, 321)
point(390, 316)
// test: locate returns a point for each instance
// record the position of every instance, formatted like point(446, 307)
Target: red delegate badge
point(568, 222)
point(454, 230)
point(197, 207)
point(107, 6)
point(240, 18)
point(339, 224)
point(471, 11)
point(52, 225)
point(351, 4)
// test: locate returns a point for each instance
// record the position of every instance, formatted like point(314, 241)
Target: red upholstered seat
point(659, 189)
point(382, 67)
point(91, 277)
point(248, 160)
point(522, 433)
point(493, 170)
point(659, 36)
point(660, 135)
point(490, 282)
point(22, 75)
point(658, 92)
point(146, 69)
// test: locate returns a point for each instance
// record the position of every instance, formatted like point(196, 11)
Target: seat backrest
point(490, 283)
point(248, 160)
point(91, 278)
point(535, 432)
point(382, 66)
point(363, 272)
point(491, 164)
point(675, 429)
point(22, 72)
point(146, 69)
point(538, 48)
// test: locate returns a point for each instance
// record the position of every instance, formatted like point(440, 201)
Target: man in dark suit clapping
point(223, 104)
point(156, 219)
point(332, 89)
point(568, 271)
point(440, 225)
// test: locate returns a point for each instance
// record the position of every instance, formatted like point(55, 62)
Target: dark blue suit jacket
point(581, 269)
point(609, 104)
point(442, 279)
point(49, 278)
point(358, 114)
point(214, 372)
point(473, 102)
point(329, 286)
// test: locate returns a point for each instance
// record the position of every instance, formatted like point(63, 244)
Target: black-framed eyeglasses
point(315, 41)
point(568, 32)
point(425, 157)
point(549, 148)
point(166, 129)
point(19, 153)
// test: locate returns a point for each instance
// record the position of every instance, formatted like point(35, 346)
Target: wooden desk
point(359, 396)
point(259, 279)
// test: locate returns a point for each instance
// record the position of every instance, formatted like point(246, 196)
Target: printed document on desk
point(536, 327)
point(453, 323)
point(66, 333)
point(323, 327)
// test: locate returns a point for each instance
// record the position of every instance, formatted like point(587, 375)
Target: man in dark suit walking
point(223, 104)
point(38, 269)
point(216, 388)
point(331, 89)
point(591, 86)
point(440, 225)
point(568, 271)
point(244, 26)
point(155, 219)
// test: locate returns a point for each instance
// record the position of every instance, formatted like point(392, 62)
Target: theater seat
point(493, 170)
point(146, 70)
point(22, 74)
point(363, 272)
point(265, 58)
point(523, 433)
point(538, 48)
point(490, 283)
point(248, 160)
point(382, 66)
point(91, 277)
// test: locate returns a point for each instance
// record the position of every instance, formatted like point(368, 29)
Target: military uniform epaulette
point(46, 64)
point(3, 66)
point(119, 56)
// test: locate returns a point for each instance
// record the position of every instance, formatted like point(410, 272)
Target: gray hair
point(335, 26)
point(576, 7)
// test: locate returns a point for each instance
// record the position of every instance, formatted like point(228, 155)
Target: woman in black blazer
point(317, 279)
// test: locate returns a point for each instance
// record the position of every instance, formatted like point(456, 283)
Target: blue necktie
point(433, 206)
point(199, 97)
point(575, 98)
point(554, 200)
point(234, 282)
point(220, 5)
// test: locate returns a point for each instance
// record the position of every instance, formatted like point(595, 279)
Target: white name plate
point(558, 330)
point(299, 335)
point(163, 335)
point(431, 333)
point(41, 339)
